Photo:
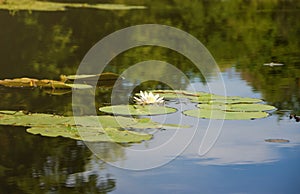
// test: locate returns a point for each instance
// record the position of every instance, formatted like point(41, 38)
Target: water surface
point(241, 36)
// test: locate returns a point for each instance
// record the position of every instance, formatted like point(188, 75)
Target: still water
point(240, 35)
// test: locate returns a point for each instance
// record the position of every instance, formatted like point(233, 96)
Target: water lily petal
point(142, 94)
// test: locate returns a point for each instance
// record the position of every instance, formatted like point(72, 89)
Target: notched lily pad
point(137, 109)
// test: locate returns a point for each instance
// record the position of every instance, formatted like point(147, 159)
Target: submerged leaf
point(137, 110)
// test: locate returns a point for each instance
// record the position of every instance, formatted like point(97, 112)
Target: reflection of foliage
point(58, 49)
point(47, 164)
point(247, 34)
point(36, 100)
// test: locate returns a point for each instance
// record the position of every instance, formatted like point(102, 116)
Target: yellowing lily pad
point(45, 83)
point(220, 114)
point(35, 5)
point(137, 109)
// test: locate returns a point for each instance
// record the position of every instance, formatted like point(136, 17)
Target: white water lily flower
point(148, 98)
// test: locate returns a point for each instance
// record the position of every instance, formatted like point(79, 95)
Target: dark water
point(241, 36)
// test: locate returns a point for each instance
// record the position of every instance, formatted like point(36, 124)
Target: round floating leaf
point(237, 107)
point(91, 134)
point(215, 99)
point(126, 136)
point(137, 109)
point(22, 119)
point(219, 114)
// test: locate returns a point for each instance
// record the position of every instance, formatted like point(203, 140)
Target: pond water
point(240, 35)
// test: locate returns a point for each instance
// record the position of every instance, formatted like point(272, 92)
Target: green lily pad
point(215, 99)
point(103, 80)
point(237, 107)
point(220, 114)
point(92, 134)
point(103, 76)
point(137, 109)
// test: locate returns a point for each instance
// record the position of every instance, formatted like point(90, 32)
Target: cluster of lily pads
point(209, 106)
point(112, 129)
point(120, 129)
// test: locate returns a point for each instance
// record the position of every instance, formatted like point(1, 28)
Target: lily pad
point(92, 134)
point(215, 99)
point(237, 107)
point(102, 80)
point(137, 109)
point(220, 114)
point(102, 76)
